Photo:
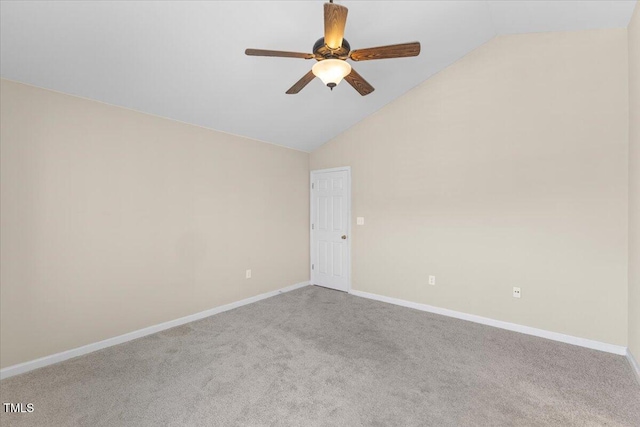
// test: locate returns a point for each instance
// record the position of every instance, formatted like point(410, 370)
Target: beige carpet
point(315, 357)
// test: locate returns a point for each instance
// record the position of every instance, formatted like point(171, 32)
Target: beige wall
point(634, 183)
point(113, 220)
point(509, 168)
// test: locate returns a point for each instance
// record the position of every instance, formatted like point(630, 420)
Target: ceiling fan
point(332, 52)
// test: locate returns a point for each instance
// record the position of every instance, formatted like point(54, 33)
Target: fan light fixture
point(331, 71)
point(332, 52)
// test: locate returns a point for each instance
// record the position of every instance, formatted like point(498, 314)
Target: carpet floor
point(316, 357)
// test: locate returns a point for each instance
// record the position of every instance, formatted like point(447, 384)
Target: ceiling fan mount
point(332, 52)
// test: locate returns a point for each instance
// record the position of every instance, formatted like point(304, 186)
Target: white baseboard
point(59, 357)
point(634, 365)
point(582, 342)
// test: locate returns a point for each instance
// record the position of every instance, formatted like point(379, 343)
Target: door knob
point(344, 236)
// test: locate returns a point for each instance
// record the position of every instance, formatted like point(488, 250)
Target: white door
point(330, 226)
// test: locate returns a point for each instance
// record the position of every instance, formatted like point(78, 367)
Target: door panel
point(330, 218)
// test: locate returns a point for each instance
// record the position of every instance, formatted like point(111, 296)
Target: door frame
point(311, 212)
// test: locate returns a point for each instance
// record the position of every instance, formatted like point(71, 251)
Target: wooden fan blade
point(278, 53)
point(384, 52)
point(300, 84)
point(361, 85)
point(335, 19)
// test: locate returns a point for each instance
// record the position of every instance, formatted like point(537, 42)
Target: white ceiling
point(185, 60)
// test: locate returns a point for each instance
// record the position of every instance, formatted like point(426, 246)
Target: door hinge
point(313, 226)
point(312, 185)
point(313, 266)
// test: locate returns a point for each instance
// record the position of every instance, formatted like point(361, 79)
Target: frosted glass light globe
point(331, 71)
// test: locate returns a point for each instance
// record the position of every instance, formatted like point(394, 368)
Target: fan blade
point(361, 85)
point(335, 19)
point(383, 52)
point(300, 84)
point(278, 53)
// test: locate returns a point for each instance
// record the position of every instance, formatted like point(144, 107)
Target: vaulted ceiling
point(185, 60)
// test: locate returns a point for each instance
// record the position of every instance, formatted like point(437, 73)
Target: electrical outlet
point(516, 292)
point(360, 220)
point(432, 280)
point(248, 274)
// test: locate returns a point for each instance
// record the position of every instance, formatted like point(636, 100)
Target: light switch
point(360, 220)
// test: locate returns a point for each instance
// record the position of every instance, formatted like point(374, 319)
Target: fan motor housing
point(322, 51)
